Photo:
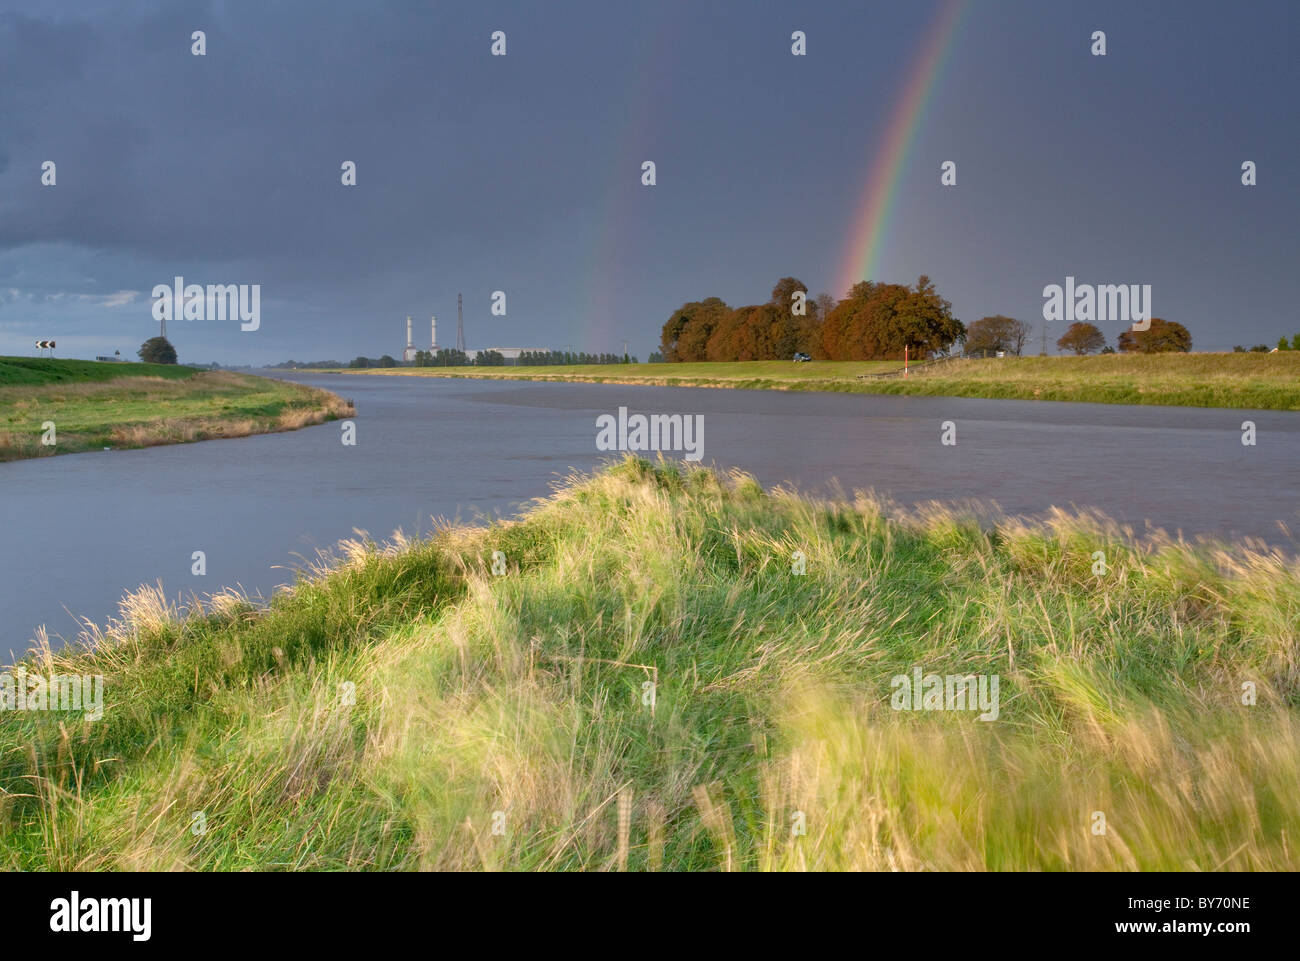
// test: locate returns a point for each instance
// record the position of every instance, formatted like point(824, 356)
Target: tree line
point(547, 358)
point(449, 357)
point(876, 321)
point(1282, 344)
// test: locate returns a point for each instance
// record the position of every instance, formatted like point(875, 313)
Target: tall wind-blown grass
point(649, 686)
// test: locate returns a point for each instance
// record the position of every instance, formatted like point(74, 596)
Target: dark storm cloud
point(235, 156)
point(227, 167)
point(522, 172)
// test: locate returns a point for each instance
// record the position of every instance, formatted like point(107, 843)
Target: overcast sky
point(522, 173)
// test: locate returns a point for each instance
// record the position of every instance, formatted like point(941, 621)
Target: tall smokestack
point(433, 332)
point(408, 331)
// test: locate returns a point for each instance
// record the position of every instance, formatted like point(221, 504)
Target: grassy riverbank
point(1246, 381)
point(648, 650)
point(96, 405)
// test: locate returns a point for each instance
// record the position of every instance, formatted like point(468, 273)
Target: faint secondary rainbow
point(650, 74)
point(871, 224)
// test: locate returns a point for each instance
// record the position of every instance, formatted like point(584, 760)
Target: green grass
point(97, 405)
point(519, 701)
point(1246, 381)
point(38, 371)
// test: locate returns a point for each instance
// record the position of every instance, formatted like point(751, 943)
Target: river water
point(80, 529)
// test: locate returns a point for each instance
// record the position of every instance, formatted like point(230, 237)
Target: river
point(80, 529)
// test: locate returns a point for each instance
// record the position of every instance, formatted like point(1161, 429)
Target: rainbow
point(650, 57)
point(876, 208)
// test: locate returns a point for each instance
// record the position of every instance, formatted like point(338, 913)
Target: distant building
point(409, 352)
point(511, 354)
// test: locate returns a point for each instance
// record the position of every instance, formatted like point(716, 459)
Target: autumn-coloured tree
point(746, 333)
point(793, 328)
point(844, 330)
point(991, 334)
point(784, 291)
point(1081, 338)
point(875, 320)
point(826, 303)
point(686, 335)
point(925, 321)
point(879, 320)
point(1164, 336)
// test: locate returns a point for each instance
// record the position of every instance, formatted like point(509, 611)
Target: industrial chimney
point(408, 331)
point(433, 333)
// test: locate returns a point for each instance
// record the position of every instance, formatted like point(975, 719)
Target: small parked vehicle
point(801, 357)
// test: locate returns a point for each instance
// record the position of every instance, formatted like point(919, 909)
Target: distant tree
point(789, 329)
point(386, 361)
point(308, 365)
point(1020, 336)
point(825, 304)
point(686, 334)
point(880, 320)
point(1108, 349)
point(1238, 349)
point(360, 362)
point(1283, 344)
point(744, 334)
point(1295, 342)
point(783, 292)
point(991, 334)
point(1081, 338)
point(982, 337)
point(1163, 336)
point(1259, 349)
point(157, 350)
point(450, 357)
point(489, 358)
point(656, 357)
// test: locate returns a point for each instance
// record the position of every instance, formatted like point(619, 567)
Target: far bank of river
point(1237, 381)
point(50, 407)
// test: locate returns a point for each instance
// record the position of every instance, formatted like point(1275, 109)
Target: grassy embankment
point(95, 405)
point(1248, 381)
point(519, 701)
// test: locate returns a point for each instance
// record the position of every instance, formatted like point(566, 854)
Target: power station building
point(510, 354)
point(408, 354)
